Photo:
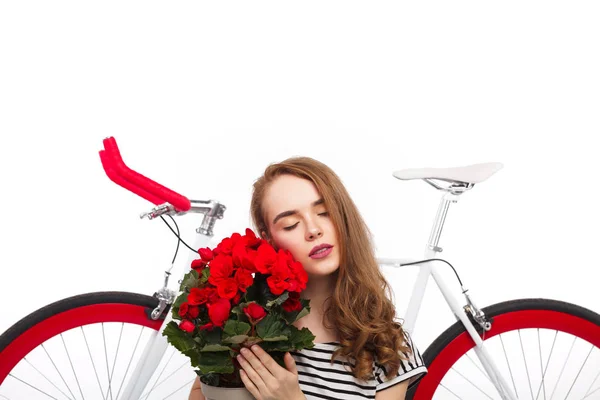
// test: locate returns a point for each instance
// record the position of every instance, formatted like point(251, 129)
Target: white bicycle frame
point(157, 344)
point(414, 305)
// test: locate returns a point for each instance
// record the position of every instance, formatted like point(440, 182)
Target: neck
point(318, 289)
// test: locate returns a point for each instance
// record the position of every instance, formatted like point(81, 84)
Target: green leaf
point(277, 346)
point(237, 310)
point(212, 336)
point(292, 317)
point(252, 340)
point(303, 313)
point(182, 298)
point(233, 328)
point(276, 338)
point(301, 339)
point(237, 339)
point(270, 326)
point(278, 300)
point(205, 275)
point(178, 338)
point(215, 347)
point(190, 280)
point(215, 362)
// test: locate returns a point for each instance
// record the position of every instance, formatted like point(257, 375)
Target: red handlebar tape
point(139, 184)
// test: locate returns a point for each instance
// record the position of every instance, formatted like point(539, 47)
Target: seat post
point(440, 218)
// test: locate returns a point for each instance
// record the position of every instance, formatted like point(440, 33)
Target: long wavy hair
point(360, 308)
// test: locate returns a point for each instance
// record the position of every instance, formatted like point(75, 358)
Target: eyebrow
point(292, 212)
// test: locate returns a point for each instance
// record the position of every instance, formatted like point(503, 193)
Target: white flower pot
point(225, 393)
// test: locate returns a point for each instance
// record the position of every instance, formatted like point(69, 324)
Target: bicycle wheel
point(87, 347)
point(544, 348)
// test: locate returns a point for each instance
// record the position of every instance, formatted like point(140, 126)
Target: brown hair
point(360, 308)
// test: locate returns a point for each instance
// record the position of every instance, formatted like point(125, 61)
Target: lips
point(319, 247)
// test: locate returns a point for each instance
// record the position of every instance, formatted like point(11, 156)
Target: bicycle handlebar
point(118, 172)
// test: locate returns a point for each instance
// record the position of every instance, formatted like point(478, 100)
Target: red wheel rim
point(502, 323)
point(56, 324)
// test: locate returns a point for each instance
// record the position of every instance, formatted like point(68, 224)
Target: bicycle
point(33, 349)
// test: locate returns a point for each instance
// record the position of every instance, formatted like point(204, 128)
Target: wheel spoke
point(93, 364)
point(72, 368)
point(116, 353)
point(563, 368)
point(592, 384)
point(159, 375)
point(478, 367)
point(130, 360)
point(508, 364)
point(33, 387)
point(42, 375)
point(591, 393)
point(525, 361)
point(474, 385)
point(541, 363)
point(186, 363)
point(546, 367)
point(106, 358)
point(181, 387)
point(56, 368)
point(579, 372)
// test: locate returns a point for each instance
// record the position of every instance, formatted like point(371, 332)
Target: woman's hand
point(266, 379)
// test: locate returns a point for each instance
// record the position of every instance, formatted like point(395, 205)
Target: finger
point(290, 363)
point(269, 363)
point(259, 366)
point(254, 376)
point(249, 385)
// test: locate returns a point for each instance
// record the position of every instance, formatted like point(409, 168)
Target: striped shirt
point(321, 380)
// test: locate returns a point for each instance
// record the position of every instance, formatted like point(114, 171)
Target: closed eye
point(289, 228)
point(324, 214)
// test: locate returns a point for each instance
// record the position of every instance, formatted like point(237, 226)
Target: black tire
point(72, 302)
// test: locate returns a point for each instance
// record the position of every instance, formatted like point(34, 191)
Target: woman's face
point(298, 221)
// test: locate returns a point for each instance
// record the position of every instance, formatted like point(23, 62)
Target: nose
point(313, 232)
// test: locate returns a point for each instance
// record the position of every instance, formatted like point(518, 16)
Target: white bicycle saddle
point(475, 173)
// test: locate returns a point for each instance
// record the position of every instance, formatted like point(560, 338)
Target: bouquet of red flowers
point(240, 293)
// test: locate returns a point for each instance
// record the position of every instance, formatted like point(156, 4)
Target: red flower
point(220, 268)
point(218, 312)
point(243, 278)
point(292, 304)
point(252, 241)
point(205, 327)
point(198, 265)
point(227, 244)
point(193, 312)
point(206, 254)
point(277, 285)
point(254, 312)
point(187, 326)
point(200, 296)
point(299, 277)
point(185, 311)
point(227, 288)
point(265, 258)
point(237, 298)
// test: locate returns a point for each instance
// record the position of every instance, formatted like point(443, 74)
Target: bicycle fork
point(486, 359)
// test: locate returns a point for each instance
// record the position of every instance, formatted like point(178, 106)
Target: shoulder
point(412, 368)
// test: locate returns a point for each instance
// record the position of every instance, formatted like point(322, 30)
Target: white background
point(203, 97)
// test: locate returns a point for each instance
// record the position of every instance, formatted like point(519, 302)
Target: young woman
point(360, 350)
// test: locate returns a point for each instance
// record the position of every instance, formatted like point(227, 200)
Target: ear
point(265, 236)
